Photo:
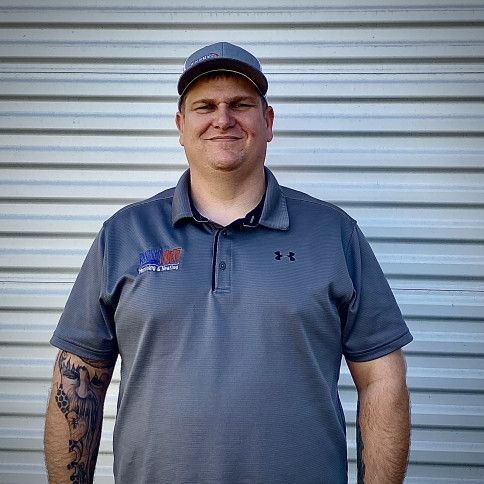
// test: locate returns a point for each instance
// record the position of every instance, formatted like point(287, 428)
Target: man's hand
point(383, 419)
point(74, 417)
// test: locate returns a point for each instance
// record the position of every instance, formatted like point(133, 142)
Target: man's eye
point(203, 108)
point(96, 381)
point(100, 381)
point(242, 105)
point(71, 374)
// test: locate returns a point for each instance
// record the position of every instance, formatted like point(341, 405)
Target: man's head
point(221, 57)
point(223, 120)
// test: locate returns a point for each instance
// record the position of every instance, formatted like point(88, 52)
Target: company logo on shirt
point(159, 260)
point(280, 256)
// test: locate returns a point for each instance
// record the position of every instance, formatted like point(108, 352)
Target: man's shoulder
point(318, 205)
point(143, 208)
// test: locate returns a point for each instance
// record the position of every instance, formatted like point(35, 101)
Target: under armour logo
point(291, 256)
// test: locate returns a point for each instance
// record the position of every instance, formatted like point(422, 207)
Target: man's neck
point(224, 197)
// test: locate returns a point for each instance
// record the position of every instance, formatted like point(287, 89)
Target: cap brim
point(218, 64)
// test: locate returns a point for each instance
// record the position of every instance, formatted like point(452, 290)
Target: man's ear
point(180, 124)
point(269, 118)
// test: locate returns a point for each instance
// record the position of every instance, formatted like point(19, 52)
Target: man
point(230, 301)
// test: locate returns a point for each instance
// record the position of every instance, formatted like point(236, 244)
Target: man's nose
point(223, 117)
point(83, 389)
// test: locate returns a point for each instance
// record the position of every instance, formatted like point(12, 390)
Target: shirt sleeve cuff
point(79, 350)
point(382, 350)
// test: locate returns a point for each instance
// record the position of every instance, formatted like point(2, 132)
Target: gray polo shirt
point(230, 338)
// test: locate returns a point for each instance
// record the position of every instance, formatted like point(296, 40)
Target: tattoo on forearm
point(79, 397)
point(360, 463)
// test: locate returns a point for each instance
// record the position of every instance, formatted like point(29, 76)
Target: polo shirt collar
point(251, 219)
point(181, 199)
point(274, 213)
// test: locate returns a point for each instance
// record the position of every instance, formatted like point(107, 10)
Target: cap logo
point(204, 57)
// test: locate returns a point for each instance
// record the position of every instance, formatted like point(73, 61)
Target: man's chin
point(227, 165)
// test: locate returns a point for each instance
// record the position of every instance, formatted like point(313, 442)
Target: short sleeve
point(374, 325)
point(86, 327)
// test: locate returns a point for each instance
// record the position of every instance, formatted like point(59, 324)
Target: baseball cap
point(222, 56)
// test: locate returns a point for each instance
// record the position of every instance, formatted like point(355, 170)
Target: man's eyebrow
point(203, 100)
point(247, 97)
point(234, 99)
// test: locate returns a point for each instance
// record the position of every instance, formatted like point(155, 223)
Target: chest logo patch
point(279, 256)
point(159, 260)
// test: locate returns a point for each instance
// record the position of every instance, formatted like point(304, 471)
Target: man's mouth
point(224, 138)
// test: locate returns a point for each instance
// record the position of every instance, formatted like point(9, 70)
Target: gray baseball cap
point(222, 56)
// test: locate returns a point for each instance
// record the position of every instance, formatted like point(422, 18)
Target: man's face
point(224, 126)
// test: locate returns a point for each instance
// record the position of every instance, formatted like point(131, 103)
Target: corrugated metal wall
point(379, 109)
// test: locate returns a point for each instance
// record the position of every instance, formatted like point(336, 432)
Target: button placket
point(223, 263)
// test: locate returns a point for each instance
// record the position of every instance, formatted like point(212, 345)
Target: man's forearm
point(383, 433)
point(74, 418)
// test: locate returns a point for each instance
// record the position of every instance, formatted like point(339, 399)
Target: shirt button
point(222, 266)
point(224, 233)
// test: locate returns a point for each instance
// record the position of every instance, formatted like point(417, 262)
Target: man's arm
point(383, 419)
point(74, 417)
